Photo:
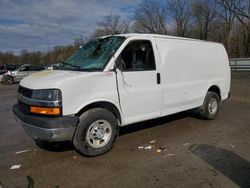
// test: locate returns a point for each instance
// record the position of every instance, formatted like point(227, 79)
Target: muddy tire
point(8, 80)
point(96, 132)
point(210, 107)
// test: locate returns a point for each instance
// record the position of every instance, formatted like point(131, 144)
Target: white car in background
point(17, 75)
point(54, 66)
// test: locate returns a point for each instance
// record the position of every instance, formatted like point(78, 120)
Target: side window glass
point(138, 56)
point(34, 68)
point(25, 68)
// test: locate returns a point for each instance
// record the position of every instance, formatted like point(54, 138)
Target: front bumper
point(50, 129)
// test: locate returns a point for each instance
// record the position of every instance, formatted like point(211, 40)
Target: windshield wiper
point(79, 68)
point(71, 65)
point(91, 69)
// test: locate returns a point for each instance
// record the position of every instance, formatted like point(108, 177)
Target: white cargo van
point(118, 80)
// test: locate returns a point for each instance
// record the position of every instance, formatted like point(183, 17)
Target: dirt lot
point(195, 153)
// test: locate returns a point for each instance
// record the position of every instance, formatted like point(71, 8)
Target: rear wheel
point(96, 132)
point(8, 80)
point(210, 107)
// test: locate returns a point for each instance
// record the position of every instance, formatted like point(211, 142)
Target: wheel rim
point(8, 80)
point(99, 133)
point(212, 106)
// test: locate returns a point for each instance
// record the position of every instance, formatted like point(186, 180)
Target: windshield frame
point(75, 67)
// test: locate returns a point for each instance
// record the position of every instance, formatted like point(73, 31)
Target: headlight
point(41, 101)
point(48, 102)
point(47, 95)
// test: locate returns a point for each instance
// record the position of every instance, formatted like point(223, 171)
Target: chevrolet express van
point(119, 80)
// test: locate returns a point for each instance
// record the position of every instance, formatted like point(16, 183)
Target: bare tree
point(150, 17)
point(110, 25)
point(241, 11)
point(180, 11)
point(227, 14)
point(204, 13)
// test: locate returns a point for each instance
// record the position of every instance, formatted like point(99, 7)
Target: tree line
point(224, 21)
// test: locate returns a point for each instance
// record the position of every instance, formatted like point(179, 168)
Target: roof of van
point(161, 36)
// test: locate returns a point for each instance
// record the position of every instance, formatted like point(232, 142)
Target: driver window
point(138, 56)
point(24, 69)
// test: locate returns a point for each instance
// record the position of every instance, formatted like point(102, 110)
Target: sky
point(32, 24)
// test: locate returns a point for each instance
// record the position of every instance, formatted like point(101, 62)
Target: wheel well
point(215, 89)
point(107, 105)
point(7, 75)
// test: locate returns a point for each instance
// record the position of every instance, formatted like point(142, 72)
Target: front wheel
point(210, 107)
point(96, 132)
point(8, 80)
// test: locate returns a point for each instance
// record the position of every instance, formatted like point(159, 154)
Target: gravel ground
point(191, 152)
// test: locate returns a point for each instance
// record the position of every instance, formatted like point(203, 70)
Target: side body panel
point(96, 87)
point(19, 75)
point(189, 69)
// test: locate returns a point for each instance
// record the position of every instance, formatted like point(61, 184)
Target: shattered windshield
point(94, 55)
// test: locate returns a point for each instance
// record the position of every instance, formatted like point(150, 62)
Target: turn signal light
point(42, 110)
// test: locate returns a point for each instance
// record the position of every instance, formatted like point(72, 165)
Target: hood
point(51, 78)
point(8, 72)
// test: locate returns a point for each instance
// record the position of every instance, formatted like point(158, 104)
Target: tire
point(210, 107)
point(8, 80)
point(96, 132)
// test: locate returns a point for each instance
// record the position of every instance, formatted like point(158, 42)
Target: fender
point(80, 110)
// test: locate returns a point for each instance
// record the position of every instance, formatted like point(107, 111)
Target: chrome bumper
point(51, 135)
point(50, 129)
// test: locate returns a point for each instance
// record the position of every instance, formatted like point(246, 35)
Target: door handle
point(158, 78)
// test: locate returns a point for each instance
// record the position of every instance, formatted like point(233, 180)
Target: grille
point(25, 91)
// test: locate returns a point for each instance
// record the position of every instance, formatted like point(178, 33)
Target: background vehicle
point(18, 74)
point(54, 66)
point(7, 67)
point(118, 80)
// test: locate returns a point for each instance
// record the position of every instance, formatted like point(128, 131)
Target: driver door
point(139, 82)
point(22, 72)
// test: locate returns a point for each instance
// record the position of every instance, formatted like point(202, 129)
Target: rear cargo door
point(139, 82)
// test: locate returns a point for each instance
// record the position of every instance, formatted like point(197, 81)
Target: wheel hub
point(99, 133)
point(212, 106)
